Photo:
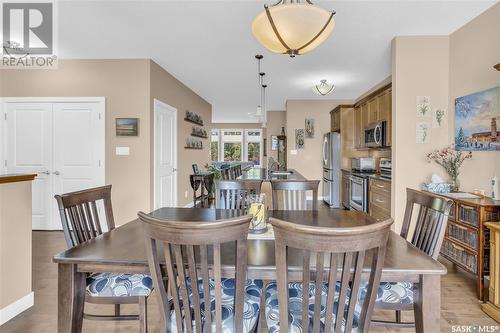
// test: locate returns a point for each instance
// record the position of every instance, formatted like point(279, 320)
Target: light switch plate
point(122, 151)
point(293, 152)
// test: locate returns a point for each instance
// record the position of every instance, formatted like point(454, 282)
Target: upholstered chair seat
point(118, 285)
point(253, 290)
point(296, 296)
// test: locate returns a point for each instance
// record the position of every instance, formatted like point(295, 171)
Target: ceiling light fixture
point(323, 88)
point(261, 111)
point(293, 27)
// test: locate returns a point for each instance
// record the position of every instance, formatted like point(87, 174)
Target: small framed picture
point(127, 126)
point(195, 169)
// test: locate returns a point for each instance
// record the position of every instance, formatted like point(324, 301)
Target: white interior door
point(62, 142)
point(165, 142)
point(28, 147)
point(78, 148)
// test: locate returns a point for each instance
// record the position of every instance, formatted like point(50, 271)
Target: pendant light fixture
point(293, 27)
point(323, 88)
point(261, 111)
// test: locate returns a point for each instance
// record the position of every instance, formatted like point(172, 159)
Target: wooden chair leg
point(143, 315)
point(117, 310)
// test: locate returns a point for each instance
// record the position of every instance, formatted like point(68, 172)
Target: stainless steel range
point(361, 168)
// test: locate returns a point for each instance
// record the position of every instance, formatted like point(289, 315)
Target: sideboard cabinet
point(467, 239)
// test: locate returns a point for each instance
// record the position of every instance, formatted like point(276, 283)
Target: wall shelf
point(199, 148)
point(199, 136)
point(193, 121)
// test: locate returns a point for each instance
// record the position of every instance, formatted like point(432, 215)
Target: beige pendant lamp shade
point(293, 28)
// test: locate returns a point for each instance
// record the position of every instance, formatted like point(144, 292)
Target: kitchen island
point(16, 293)
point(267, 175)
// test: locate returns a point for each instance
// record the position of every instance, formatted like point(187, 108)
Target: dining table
point(122, 250)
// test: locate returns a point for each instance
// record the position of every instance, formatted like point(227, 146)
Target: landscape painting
point(477, 118)
point(127, 126)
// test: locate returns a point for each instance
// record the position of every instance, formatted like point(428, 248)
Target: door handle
point(44, 172)
point(57, 173)
point(174, 169)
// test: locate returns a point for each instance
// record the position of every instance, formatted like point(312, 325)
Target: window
point(214, 145)
point(232, 144)
point(253, 144)
point(236, 145)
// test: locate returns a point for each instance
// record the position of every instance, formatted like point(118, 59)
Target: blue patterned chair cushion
point(118, 284)
point(392, 292)
point(251, 307)
point(295, 293)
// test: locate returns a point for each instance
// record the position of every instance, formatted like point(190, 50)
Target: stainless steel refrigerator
point(331, 169)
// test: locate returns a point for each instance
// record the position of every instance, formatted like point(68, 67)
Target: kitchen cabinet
point(358, 130)
point(335, 120)
point(373, 108)
point(380, 199)
point(385, 112)
point(364, 123)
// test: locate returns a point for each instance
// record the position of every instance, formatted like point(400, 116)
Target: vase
point(454, 185)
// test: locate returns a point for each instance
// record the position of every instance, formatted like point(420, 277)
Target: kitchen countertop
point(262, 174)
point(377, 176)
point(16, 177)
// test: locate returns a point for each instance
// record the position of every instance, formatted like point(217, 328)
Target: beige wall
point(129, 87)
point(308, 160)
point(420, 68)
point(171, 91)
point(125, 85)
point(15, 242)
point(474, 49)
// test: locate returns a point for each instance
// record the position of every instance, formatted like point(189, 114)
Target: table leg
point(71, 299)
point(427, 304)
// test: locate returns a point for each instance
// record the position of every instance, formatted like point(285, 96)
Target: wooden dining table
point(122, 250)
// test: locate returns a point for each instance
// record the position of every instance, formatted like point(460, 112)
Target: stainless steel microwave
point(376, 134)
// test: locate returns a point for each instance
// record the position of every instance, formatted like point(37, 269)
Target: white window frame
point(247, 139)
point(244, 140)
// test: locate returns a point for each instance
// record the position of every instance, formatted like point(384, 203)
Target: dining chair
point(81, 222)
point(208, 182)
point(237, 171)
point(235, 194)
point(294, 194)
point(424, 225)
point(225, 174)
point(332, 300)
point(193, 264)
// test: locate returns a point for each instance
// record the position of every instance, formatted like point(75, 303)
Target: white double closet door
point(61, 142)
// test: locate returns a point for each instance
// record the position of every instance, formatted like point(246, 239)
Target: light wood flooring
point(459, 303)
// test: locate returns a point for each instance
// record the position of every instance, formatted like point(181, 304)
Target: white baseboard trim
point(189, 205)
point(15, 308)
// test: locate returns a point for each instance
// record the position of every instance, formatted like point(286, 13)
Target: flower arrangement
point(451, 160)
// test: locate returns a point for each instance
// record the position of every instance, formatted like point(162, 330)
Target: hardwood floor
point(459, 304)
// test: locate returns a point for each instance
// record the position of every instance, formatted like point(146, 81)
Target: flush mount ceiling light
point(323, 88)
point(293, 27)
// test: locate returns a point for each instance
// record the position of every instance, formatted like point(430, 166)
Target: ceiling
point(208, 45)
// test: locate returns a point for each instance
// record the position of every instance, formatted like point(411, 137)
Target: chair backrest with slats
point(235, 194)
point(237, 171)
point(344, 249)
point(79, 212)
point(294, 194)
point(225, 174)
point(426, 229)
point(181, 240)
